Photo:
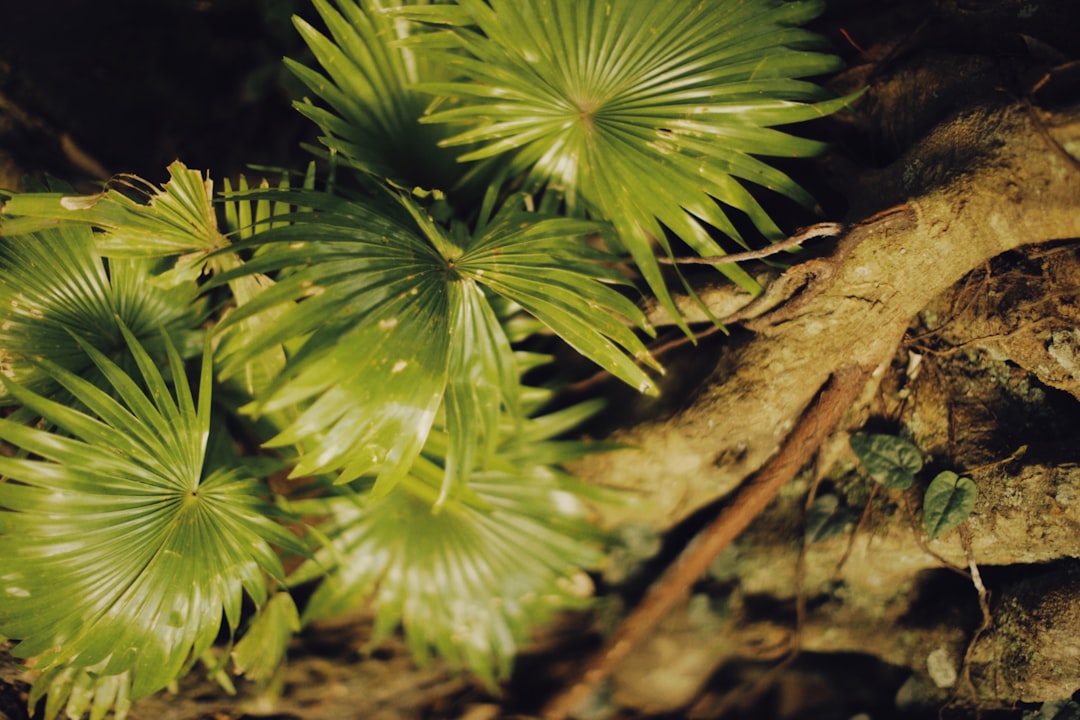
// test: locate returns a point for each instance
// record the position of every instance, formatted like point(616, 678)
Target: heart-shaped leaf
point(891, 461)
point(948, 502)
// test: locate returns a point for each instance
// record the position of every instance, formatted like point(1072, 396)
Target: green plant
point(488, 167)
point(894, 462)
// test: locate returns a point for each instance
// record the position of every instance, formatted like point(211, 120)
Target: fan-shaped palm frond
point(372, 114)
point(474, 578)
point(542, 264)
point(121, 550)
point(393, 320)
point(642, 113)
point(53, 282)
point(179, 217)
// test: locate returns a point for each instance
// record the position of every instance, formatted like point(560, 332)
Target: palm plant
point(490, 166)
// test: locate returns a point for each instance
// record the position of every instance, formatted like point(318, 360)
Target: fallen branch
point(986, 182)
point(821, 330)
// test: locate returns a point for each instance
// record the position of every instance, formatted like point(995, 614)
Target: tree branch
point(986, 182)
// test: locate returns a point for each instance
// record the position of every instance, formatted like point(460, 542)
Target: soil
point(956, 284)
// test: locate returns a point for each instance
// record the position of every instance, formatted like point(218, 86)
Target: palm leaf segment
point(54, 280)
point(393, 317)
point(372, 113)
point(121, 551)
point(472, 580)
point(642, 113)
point(179, 217)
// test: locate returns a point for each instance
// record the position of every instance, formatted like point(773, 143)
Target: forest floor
point(833, 603)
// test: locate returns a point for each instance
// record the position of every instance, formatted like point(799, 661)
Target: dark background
point(139, 83)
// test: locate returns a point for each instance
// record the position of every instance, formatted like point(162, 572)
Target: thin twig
point(984, 608)
point(800, 446)
point(745, 697)
point(827, 229)
point(1044, 132)
point(654, 350)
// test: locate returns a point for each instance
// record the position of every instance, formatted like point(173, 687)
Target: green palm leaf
point(74, 691)
point(245, 216)
point(261, 651)
point(372, 113)
point(53, 282)
point(393, 321)
point(179, 217)
point(644, 114)
point(374, 324)
point(541, 264)
point(122, 551)
point(469, 581)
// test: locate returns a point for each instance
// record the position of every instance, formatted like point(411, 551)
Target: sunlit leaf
point(248, 213)
point(393, 325)
point(370, 113)
point(471, 577)
point(368, 298)
point(540, 264)
point(262, 649)
point(482, 381)
point(74, 691)
point(122, 551)
point(54, 282)
point(644, 114)
point(177, 218)
point(469, 581)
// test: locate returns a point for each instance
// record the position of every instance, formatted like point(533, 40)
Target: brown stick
point(825, 229)
point(816, 425)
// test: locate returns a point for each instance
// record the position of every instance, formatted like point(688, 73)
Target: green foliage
point(122, 551)
point(472, 579)
point(365, 334)
point(374, 111)
point(399, 297)
point(827, 518)
point(890, 460)
point(260, 652)
point(180, 218)
point(55, 281)
point(894, 462)
point(643, 114)
point(948, 502)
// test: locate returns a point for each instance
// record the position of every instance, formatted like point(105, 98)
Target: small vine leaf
point(948, 502)
point(827, 518)
point(891, 461)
